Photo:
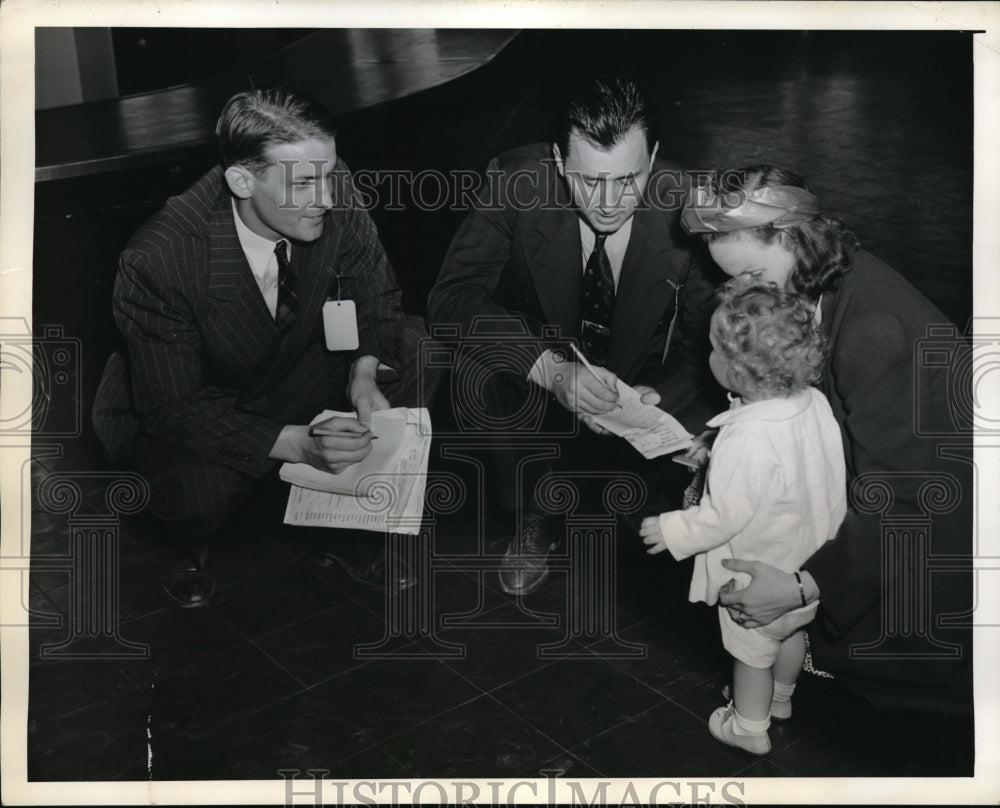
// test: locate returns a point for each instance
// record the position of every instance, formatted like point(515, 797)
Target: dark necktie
point(598, 307)
point(288, 302)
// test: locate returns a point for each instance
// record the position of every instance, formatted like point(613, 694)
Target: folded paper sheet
point(389, 426)
point(649, 429)
point(393, 498)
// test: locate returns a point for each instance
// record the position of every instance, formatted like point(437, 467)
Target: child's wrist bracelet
point(802, 589)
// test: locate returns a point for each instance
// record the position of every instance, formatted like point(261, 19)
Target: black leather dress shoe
point(366, 562)
point(184, 576)
point(525, 564)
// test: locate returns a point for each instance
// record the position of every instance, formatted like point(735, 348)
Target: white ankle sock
point(744, 726)
point(783, 692)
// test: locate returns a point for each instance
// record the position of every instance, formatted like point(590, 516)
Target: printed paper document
point(386, 496)
point(649, 429)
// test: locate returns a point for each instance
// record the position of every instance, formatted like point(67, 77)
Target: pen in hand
point(593, 372)
point(318, 432)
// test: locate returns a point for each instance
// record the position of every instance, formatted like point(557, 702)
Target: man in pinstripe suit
point(226, 364)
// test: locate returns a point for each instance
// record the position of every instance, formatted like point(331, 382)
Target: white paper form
point(649, 429)
point(390, 428)
point(395, 504)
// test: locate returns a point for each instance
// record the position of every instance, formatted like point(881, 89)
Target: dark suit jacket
point(208, 371)
point(876, 386)
point(519, 253)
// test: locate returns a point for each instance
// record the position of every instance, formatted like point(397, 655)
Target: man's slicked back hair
point(603, 112)
point(254, 120)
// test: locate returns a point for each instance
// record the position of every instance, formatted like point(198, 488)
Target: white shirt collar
point(258, 250)
point(769, 409)
point(616, 240)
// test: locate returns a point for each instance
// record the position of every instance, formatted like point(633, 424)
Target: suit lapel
point(314, 265)
point(557, 270)
point(239, 312)
point(645, 289)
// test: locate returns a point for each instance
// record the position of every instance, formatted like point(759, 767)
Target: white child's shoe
point(779, 710)
point(722, 724)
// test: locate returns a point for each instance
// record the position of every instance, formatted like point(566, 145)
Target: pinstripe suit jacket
point(207, 371)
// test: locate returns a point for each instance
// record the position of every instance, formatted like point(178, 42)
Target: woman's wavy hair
point(821, 244)
point(770, 338)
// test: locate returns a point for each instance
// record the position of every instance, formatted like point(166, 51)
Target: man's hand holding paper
point(649, 429)
point(383, 444)
point(584, 391)
point(363, 391)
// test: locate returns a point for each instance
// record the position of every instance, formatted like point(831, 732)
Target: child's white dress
point(775, 492)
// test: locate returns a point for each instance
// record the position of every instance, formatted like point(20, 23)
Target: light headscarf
point(707, 211)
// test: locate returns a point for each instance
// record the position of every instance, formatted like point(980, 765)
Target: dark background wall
point(880, 123)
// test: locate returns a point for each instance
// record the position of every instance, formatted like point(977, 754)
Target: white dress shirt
point(263, 262)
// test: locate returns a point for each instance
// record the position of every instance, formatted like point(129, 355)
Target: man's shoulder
point(183, 217)
point(532, 155)
point(872, 289)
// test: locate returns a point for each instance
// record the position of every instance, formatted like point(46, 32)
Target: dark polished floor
point(295, 666)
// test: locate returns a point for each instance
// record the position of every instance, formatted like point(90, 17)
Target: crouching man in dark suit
point(220, 300)
point(582, 238)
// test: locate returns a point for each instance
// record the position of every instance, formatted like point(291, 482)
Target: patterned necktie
point(288, 301)
point(598, 307)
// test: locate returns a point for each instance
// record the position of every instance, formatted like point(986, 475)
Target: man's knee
point(417, 383)
point(195, 496)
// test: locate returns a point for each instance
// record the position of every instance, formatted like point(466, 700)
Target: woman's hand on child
point(652, 535)
point(769, 595)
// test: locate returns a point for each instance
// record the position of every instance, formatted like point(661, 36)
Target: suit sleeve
point(877, 388)
point(172, 398)
point(473, 264)
point(479, 252)
point(370, 281)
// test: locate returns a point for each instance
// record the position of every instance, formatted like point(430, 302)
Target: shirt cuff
point(545, 370)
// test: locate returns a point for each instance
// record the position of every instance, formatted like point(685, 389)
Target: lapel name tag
point(340, 325)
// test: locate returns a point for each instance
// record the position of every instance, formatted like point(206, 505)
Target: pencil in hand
point(319, 432)
point(593, 372)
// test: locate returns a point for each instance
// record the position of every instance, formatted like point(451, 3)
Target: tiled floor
point(296, 666)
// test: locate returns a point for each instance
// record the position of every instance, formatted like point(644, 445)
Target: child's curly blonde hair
point(770, 338)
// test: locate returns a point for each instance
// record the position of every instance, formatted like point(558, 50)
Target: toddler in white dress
point(775, 492)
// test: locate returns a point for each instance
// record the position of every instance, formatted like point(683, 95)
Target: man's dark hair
point(254, 120)
point(604, 111)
